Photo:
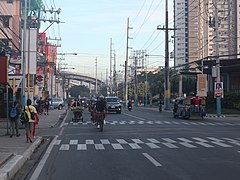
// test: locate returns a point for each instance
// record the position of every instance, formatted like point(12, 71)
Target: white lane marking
point(167, 122)
point(153, 146)
point(170, 145)
point(204, 144)
point(131, 122)
point(151, 159)
point(187, 145)
point(140, 122)
point(174, 122)
point(117, 146)
point(61, 131)
point(134, 117)
point(99, 147)
point(104, 141)
point(169, 140)
point(137, 141)
point(81, 147)
point(121, 141)
point(158, 122)
point(153, 140)
point(200, 139)
point(89, 141)
point(221, 144)
point(185, 140)
point(149, 122)
point(57, 142)
point(63, 122)
point(204, 124)
point(233, 141)
point(73, 142)
point(64, 147)
point(39, 168)
point(134, 146)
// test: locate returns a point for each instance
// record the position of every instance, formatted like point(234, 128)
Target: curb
point(214, 116)
point(17, 161)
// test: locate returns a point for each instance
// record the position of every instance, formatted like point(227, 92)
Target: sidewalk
point(14, 152)
point(232, 116)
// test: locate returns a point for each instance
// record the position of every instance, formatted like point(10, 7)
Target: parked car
point(114, 104)
point(57, 103)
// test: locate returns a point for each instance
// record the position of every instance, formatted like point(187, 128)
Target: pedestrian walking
point(46, 106)
point(30, 113)
point(13, 117)
point(40, 105)
point(36, 120)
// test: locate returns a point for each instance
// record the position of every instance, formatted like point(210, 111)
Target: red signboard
point(3, 69)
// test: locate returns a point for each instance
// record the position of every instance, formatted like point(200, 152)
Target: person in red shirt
point(196, 102)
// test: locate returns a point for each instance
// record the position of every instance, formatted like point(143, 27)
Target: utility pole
point(218, 79)
point(114, 74)
point(111, 84)
point(96, 77)
point(126, 65)
point(167, 83)
point(24, 54)
point(135, 82)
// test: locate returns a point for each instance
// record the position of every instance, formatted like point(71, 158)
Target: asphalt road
point(144, 145)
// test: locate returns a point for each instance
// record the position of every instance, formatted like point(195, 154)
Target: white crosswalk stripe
point(73, 142)
point(64, 147)
point(117, 146)
point(81, 147)
point(152, 143)
point(104, 141)
point(99, 146)
point(142, 122)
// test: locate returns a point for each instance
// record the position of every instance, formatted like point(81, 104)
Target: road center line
point(134, 117)
point(151, 159)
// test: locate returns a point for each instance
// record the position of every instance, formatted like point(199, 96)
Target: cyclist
point(101, 106)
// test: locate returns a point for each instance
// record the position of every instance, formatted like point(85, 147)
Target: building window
point(5, 21)
point(9, 1)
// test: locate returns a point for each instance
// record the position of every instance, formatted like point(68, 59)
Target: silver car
point(57, 103)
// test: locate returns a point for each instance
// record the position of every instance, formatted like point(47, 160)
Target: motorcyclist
point(75, 103)
point(129, 104)
point(101, 106)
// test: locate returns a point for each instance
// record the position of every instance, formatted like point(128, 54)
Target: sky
point(88, 25)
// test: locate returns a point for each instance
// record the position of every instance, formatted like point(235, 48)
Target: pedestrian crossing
point(150, 143)
point(141, 122)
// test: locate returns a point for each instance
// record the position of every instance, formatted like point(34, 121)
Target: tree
point(81, 90)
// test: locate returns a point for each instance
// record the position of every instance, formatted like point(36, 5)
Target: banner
point(202, 85)
point(3, 69)
point(218, 90)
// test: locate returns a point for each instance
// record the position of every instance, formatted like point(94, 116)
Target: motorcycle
point(129, 107)
point(160, 107)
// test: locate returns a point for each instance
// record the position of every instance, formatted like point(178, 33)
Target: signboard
point(218, 89)
point(3, 69)
point(202, 85)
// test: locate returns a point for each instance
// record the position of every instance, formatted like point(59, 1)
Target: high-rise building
point(195, 37)
point(10, 25)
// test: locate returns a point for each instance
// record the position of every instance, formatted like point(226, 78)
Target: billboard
point(31, 51)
